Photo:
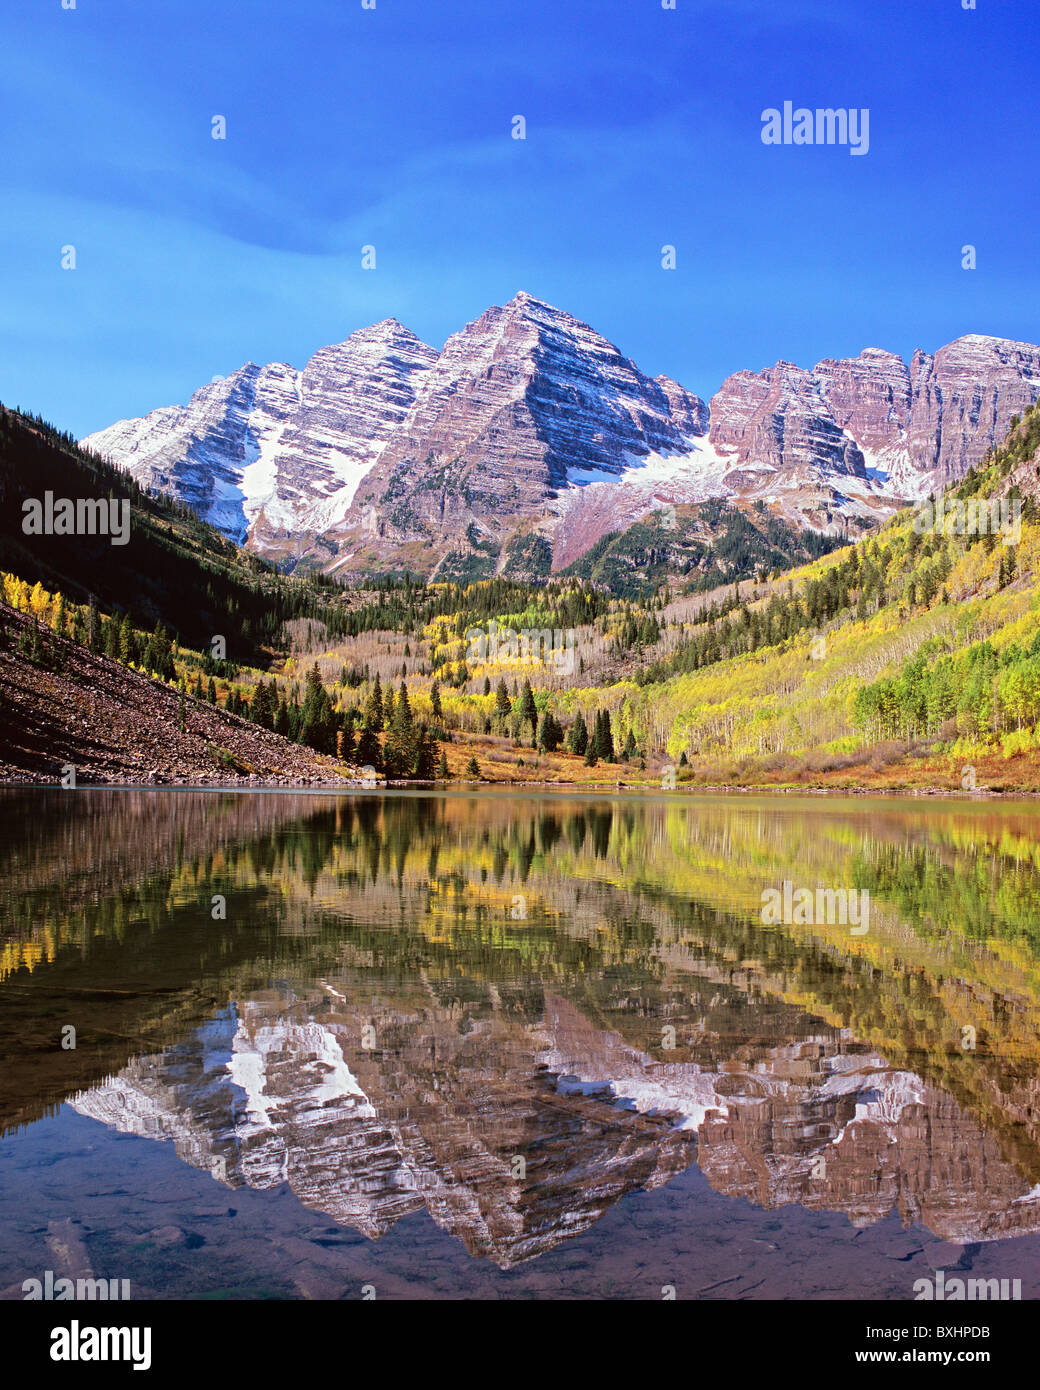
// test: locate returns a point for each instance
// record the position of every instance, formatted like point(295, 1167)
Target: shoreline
point(318, 784)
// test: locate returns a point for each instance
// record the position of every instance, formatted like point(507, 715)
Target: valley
point(519, 676)
point(909, 660)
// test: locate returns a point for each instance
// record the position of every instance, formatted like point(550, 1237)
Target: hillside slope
point(913, 646)
point(116, 725)
point(700, 546)
point(911, 659)
point(174, 568)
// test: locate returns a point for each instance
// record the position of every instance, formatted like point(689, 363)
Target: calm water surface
point(515, 1045)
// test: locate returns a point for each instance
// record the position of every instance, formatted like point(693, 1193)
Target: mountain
point(849, 437)
point(270, 453)
point(530, 437)
point(525, 408)
point(268, 1094)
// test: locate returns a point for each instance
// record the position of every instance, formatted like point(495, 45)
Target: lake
point(518, 1045)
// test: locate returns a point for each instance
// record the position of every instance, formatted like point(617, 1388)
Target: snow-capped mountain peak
point(531, 428)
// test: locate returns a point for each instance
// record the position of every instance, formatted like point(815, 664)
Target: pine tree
point(503, 704)
point(550, 734)
point(158, 656)
point(29, 643)
point(604, 738)
point(487, 685)
point(528, 710)
point(442, 766)
point(578, 738)
point(281, 718)
point(369, 753)
point(265, 705)
point(630, 750)
point(435, 701)
point(423, 764)
point(93, 628)
point(150, 659)
point(316, 721)
point(211, 691)
point(404, 705)
point(374, 708)
point(126, 641)
point(472, 768)
point(400, 748)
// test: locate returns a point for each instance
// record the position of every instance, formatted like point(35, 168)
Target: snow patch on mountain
point(320, 1062)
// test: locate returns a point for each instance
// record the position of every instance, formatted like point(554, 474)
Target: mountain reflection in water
point(512, 1011)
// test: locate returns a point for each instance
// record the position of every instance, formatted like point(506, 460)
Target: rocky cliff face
point(530, 436)
point(430, 1117)
point(524, 409)
point(853, 436)
point(835, 1131)
point(272, 455)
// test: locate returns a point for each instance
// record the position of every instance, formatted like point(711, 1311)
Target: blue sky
point(391, 127)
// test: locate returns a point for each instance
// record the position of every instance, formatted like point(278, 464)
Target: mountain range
point(530, 437)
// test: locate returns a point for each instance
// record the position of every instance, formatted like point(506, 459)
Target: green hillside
point(174, 569)
point(908, 636)
point(699, 547)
